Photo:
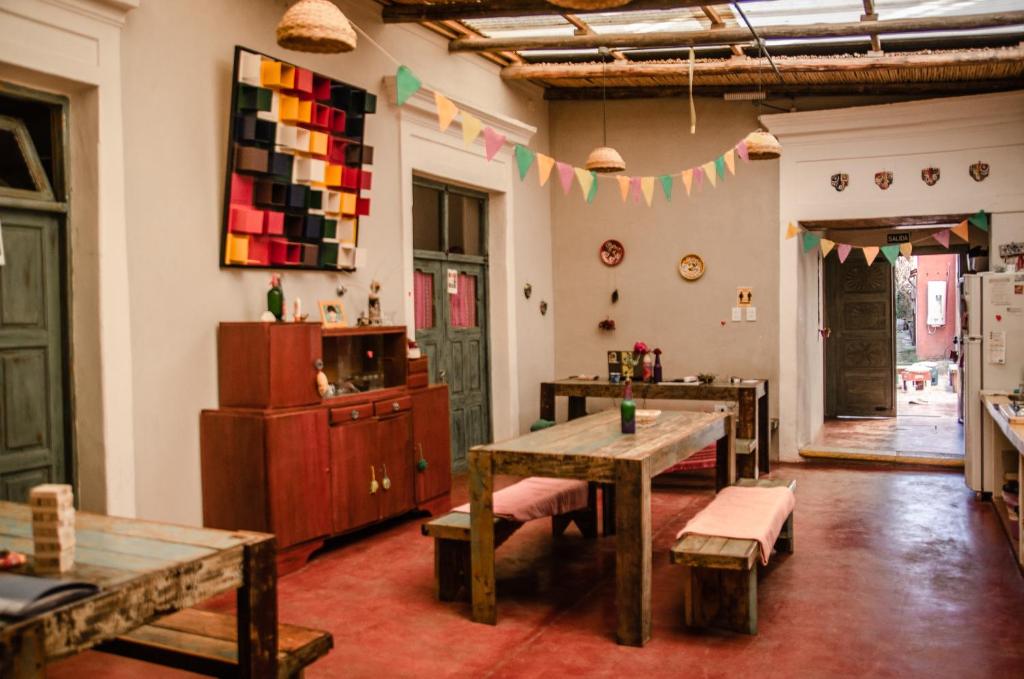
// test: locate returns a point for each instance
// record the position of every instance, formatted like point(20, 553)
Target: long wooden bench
point(451, 535)
point(720, 573)
point(206, 643)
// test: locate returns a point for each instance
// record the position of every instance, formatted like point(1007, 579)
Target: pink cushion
point(745, 514)
point(702, 459)
point(536, 497)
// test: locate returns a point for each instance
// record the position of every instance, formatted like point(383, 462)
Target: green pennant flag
point(406, 84)
point(980, 220)
point(810, 240)
point(666, 185)
point(720, 167)
point(593, 187)
point(891, 252)
point(524, 159)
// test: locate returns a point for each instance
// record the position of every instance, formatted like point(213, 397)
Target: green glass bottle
point(628, 410)
point(275, 297)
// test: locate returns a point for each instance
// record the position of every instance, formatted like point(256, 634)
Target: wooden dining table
point(593, 448)
point(143, 570)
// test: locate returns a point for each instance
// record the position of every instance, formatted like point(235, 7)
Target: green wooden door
point(32, 418)
point(450, 288)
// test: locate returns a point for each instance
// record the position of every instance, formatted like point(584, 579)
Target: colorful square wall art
point(296, 182)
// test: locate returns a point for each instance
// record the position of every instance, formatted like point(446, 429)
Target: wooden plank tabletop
point(719, 390)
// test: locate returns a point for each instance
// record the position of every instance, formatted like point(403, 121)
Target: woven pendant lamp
point(316, 26)
point(762, 145)
point(589, 4)
point(604, 158)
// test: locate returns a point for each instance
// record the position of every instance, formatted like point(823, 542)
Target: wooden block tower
point(53, 527)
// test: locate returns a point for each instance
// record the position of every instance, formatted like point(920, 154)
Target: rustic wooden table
point(751, 397)
point(592, 448)
point(144, 570)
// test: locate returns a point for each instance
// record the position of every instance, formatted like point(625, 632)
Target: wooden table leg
point(764, 432)
point(633, 551)
point(257, 611)
point(23, 653)
point(725, 456)
point(547, 401)
point(481, 541)
point(577, 407)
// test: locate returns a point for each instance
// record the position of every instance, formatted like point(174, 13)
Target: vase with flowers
point(641, 357)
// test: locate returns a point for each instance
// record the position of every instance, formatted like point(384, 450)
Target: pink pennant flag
point(698, 177)
point(942, 237)
point(565, 175)
point(741, 150)
point(493, 141)
point(843, 250)
point(635, 190)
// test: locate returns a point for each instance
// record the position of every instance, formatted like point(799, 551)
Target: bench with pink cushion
point(721, 546)
point(564, 500)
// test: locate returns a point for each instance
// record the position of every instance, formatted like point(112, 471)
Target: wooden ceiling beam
point(727, 36)
point(717, 24)
point(583, 28)
point(406, 12)
point(870, 15)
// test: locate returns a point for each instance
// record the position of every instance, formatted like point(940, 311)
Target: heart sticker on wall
point(999, 317)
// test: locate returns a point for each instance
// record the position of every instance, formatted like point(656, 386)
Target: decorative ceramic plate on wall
point(612, 252)
point(691, 267)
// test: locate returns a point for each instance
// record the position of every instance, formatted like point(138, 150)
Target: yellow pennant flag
point(687, 180)
point(585, 179)
point(544, 165)
point(906, 249)
point(710, 172)
point(623, 187)
point(961, 230)
point(446, 110)
point(792, 230)
point(730, 161)
point(471, 127)
point(826, 246)
point(870, 253)
point(647, 186)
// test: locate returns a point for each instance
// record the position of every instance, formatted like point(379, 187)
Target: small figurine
point(323, 386)
point(374, 303)
point(414, 350)
point(275, 297)
point(298, 316)
point(363, 320)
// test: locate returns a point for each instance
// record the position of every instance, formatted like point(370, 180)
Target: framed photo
point(332, 313)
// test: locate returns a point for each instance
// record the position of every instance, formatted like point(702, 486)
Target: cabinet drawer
point(392, 405)
point(352, 413)
point(418, 380)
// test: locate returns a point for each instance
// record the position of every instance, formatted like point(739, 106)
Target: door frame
point(60, 207)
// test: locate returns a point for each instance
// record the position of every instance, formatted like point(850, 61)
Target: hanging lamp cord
point(604, 96)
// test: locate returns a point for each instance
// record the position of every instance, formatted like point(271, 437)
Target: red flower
point(640, 348)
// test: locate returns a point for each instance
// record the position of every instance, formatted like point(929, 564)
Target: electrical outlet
point(751, 313)
point(737, 313)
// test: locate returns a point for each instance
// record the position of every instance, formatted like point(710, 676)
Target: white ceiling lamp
point(761, 145)
point(589, 4)
point(316, 26)
point(604, 158)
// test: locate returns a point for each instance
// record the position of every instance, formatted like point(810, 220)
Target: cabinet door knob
point(355, 415)
point(396, 406)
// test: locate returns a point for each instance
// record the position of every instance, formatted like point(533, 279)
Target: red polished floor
point(896, 574)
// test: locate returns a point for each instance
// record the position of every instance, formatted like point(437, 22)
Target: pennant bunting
point(870, 253)
point(524, 159)
point(942, 237)
point(792, 230)
point(544, 165)
point(565, 174)
point(446, 110)
point(891, 252)
point(720, 167)
point(843, 251)
point(623, 187)
point(826, 246)
point(741, 150)
point(961, 231)
point(471, 126)
point(810, 240)
point(906, 249)
point(698, 177)
point(585, 179)
point(666, 185)
point(634, 189)
point(406, 84)
point(710, 173)
point(493, 141)
point(647, 186)
point(592, 193)
point(980, 220)
point(687, 180)
point(730, 161)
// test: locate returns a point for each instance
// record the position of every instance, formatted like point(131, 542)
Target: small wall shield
point(979, 171)
point(840, 181)
point(930, 175)
point(883, 179)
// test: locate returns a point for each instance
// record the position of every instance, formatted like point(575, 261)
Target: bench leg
point(721, 598)
point(784, 543)
point(451, 568)
point(559, 522)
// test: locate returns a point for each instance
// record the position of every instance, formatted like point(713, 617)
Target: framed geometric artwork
point(297, 181)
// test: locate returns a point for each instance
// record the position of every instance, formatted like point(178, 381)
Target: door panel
point(860, 352)
point(353, 454)
point(32, 401)
point(298, 476)
point(395, 445)
point(432, 440)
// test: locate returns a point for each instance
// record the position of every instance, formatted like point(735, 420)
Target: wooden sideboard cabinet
point(278, 458)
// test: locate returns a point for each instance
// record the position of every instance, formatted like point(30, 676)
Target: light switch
point(737, 313)
point(751, 313)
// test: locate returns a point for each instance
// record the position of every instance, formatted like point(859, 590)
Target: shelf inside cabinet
point(360, 360)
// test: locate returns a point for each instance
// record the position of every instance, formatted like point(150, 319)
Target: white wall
point(950, 134)
point(177, 80)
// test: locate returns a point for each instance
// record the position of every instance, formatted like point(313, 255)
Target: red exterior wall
point(935, 343)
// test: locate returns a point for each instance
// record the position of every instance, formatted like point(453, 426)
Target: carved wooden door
point(860, 353)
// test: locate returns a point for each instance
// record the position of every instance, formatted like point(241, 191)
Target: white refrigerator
point(993, 346)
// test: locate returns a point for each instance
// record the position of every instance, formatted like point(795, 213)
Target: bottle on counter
point(628, 410)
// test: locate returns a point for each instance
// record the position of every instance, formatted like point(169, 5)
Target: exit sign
point(897, 238)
